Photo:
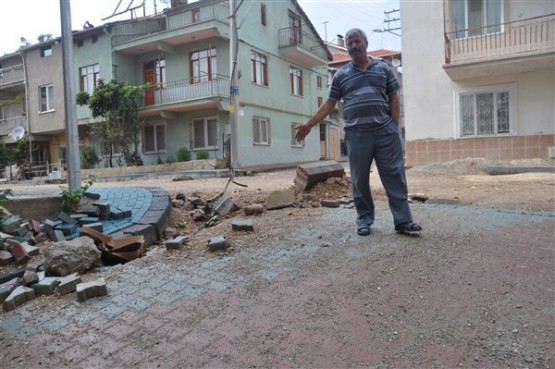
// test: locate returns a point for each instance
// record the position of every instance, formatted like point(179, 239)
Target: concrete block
point(29, 278)
point(225, 205)
point(92, 195)
point(91, 289)
point(66, 218)
point(57, 235)
point(19, 296)
point(11, 224)
point(31, 250)
point(217, 243)
point(242, 225)
point(6, 257)
point(19, 253)
point(253, 209)
point(308, 175)
point(88, 220)
point(5, 292)
point(46, 286)
point(92, 211)
point(67, 229)
point(280, 199)
point(98, 226)
point(330, 203)
point(176, 243)
point(69, 283)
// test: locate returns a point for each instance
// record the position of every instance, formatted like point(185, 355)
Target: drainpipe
point(23, 61)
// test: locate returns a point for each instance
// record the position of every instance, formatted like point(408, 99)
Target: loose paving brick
point(69, 283)
point(91, 289)
point(17, 297)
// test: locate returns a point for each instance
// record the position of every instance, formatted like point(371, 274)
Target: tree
point(118, 103)
point(23, 42)
point(15, 154)
point(45, 37)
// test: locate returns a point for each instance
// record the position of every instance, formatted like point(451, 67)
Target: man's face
point(356, 45)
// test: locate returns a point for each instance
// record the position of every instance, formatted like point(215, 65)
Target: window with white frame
point(487, 111)
point(205, 133)
point(296, 81)
point(154, 138)
point(476, 17)
point(319, 81)
point(89, 76)
point(204, 65)
point(46, 94)
point(294, 142)
point(259, 68)
point(262, 132)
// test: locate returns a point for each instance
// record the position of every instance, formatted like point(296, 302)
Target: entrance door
point(149, 76)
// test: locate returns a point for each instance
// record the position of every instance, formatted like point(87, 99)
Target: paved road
point(475, 290)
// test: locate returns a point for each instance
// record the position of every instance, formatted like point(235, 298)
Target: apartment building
point(184, 55)
point(478, 79)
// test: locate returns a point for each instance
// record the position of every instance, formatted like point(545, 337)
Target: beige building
point(478, 79)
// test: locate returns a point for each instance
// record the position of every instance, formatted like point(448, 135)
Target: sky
point(31, 18)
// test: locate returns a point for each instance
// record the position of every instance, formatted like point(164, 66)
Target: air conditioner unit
point(551, 152)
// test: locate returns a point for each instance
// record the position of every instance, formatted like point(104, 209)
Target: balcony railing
point(517, 38)
point(143, 27)
point(11, 74)
point(8, 124)
point(185, 91)
point(297, 37)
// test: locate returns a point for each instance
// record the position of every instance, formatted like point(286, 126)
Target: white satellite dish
point(17, 133)
point(396, 63)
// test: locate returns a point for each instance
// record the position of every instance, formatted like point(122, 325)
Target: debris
point(280, 199)
point(91, 289)
point(217, 243)
point(310, 174)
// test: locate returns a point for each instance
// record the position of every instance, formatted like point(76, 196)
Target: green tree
point(118, 103)
point(15, 154)
point(45, 37)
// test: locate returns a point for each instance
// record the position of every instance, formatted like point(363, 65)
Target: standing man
point(371, 110)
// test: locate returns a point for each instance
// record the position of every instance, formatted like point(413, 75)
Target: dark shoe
point(363, 230)
point(409, 228)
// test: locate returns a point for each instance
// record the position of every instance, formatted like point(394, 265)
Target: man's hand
point(302, 131)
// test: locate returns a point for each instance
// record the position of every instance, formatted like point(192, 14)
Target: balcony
point(8, 124)
point(175, 28)
point(300, 46)
point(12, 75)
point(511, 47)
point(183, 95)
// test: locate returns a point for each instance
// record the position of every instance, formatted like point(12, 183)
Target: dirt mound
point(471, 166)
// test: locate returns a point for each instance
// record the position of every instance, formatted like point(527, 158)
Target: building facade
point(478, 80)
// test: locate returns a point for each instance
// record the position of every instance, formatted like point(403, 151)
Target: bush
point(72, 198)
point(170, 160)
point(202, 154)
point(182, 154)
point(89, 156)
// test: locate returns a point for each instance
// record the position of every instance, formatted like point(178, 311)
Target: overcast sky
point(31, 18)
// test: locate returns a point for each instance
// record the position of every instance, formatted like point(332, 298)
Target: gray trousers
point(383, 145)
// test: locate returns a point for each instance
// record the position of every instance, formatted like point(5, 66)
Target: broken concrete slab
point(176, 243)
point(253, 209)
point(308, 175)
point(280, 199)
point(217, 243)
point(225, 205)
point(330, 203)
point(242, 225)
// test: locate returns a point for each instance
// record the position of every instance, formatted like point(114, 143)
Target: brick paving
point(475, 290)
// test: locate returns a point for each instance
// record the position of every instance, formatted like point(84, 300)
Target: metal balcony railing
point(8, 124)
point(293, 36)
point(219, 12)
point(12, 74)
point(137, 28)
point(516, 38)
point(185, 91)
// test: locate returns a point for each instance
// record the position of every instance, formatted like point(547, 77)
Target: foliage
point(170, 160)
point(183, 154)
point(202, 154)
point(119, 104)
point(89, 156)
point(45, 37)
point(72, 198)
point(3, 197)
point(15, 154)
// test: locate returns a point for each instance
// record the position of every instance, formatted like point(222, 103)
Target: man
point(371, 110)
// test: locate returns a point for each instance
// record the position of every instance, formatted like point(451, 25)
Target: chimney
point(176, 3)
point(340, 41)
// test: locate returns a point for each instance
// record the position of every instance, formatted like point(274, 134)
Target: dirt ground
point(461, 182)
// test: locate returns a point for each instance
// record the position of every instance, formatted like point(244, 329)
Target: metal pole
point(72, 134)
point(234, 88)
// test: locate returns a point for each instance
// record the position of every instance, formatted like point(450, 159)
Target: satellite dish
point(396, 63)
point(17, 133)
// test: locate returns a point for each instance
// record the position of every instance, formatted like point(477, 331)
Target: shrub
point(183, 154)
point(3, 197)
point(202, 154)
point(170, 160)
point(89, 156)
point(72, 198)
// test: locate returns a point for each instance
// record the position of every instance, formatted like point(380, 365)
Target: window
point(204, 65)
point(46, 94)
point(296, 80)
point(205, 132)
point(319, 81)
point(154, 138)
point(263, 14)
point(45, 51)
point(486, 112)
point(262, 133)
point(259, 69)
point(295, 30)
point(294, 141)
point(476, 17)
point(320, 101)
point(196, 15)
point(89, 78)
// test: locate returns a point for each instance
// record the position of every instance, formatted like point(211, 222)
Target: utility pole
point(234, 87)
point(326, 31)
point(388, 20)
point(72, 134)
